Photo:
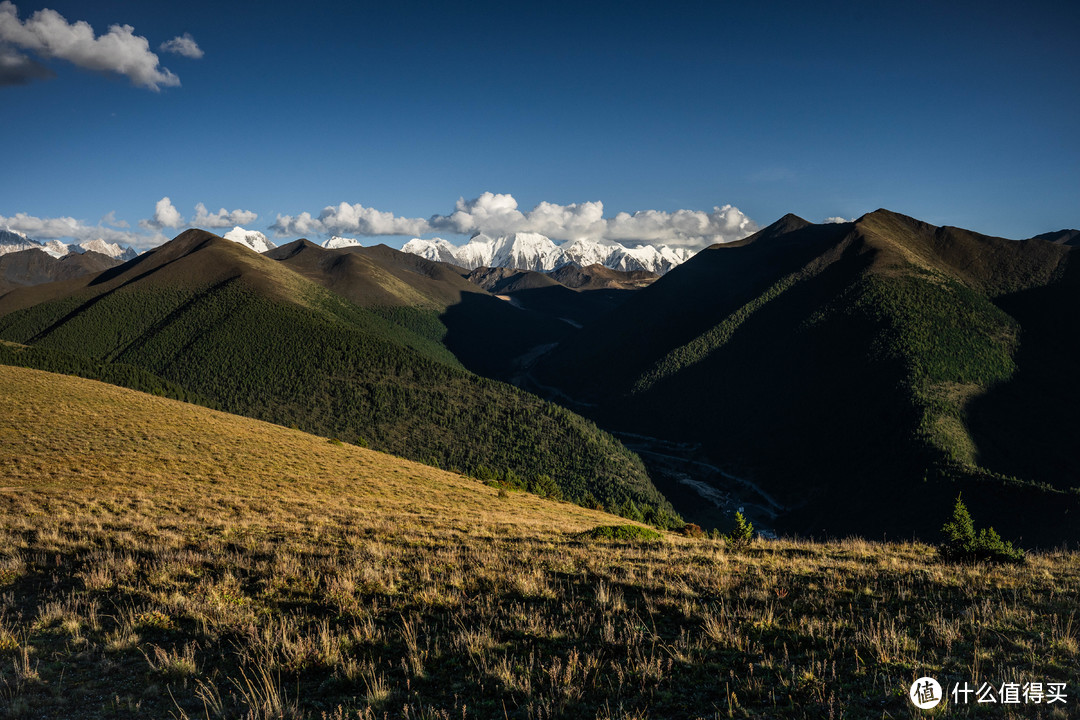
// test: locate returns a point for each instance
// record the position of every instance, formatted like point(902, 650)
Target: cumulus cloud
point(499, 214)
point(19, 69)
point(182, 45)
point(494, 214)
point(682, 228)
point(165, 216)
point(221, 218)
point(836, 219)
point(48, 35)
point(66, 227)
point(345, 218)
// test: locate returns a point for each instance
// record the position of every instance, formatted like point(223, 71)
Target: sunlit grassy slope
point(159, 559)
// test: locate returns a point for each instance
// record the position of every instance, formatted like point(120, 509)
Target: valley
point(810, 374)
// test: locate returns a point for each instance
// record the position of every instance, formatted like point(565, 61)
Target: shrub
point(545, 486)
point(692, 530)
point(621, 532)
point(963, 543)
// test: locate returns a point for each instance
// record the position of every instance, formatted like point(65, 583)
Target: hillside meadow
point(160, 559)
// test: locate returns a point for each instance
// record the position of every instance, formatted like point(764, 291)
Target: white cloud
point(836, 219)
point(494, 214)
point(681, 228)
point(491, 213)
point(221, 218)
point(17, 68)
point(182, 45)
point(165, 216)
point(498, 214)
point(302, 224)
point(345, 218)
point(47, 34)
point(110, 219)
point(66, 227)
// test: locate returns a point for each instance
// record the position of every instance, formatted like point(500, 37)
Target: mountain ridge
point(11, 241)
point(253, 336)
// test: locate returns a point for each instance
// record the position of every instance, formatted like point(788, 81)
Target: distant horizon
point(747, 228)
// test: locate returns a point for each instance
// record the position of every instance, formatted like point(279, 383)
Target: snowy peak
point(56, 248)
point(336, 243)
point(252, 239)
point(532, 251)
point(435, 249)
point(11, 241)
point(99, 246)
point(649, 257)
point(586, 252)
point(523, 251)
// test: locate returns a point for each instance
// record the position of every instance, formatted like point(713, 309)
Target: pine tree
point(960, 531)
point(962, 542)
point(743, 533)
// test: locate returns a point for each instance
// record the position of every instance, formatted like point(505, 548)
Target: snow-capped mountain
point(524, 251)
point(56, 248)
point(532, 251)
point(435, 249)
point(12, 241)
point(250, 238)
point(337, 242)
point(99, 246)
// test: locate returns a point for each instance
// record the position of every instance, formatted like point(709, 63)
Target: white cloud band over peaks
point(48, 34)
point(50, 228)
point(344, 218)
point(167, 216)
point(498, 214)
point(222, 218)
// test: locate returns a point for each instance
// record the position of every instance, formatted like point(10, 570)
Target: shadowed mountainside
point(33, 267)
point(860, 372)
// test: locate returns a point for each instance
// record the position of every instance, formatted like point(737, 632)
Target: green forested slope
point(211, 321)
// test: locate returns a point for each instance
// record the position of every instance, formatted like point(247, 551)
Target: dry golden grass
point(159, 559)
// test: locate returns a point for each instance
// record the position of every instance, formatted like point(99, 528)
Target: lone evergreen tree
point(960, 530)
point(743, 533)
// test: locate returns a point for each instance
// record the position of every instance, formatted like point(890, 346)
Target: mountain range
point(833, 379)
point(532, 251)
point(35, 266)
point(11, 242)
point(353, 344)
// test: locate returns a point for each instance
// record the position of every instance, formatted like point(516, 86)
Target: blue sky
point(955, 113)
